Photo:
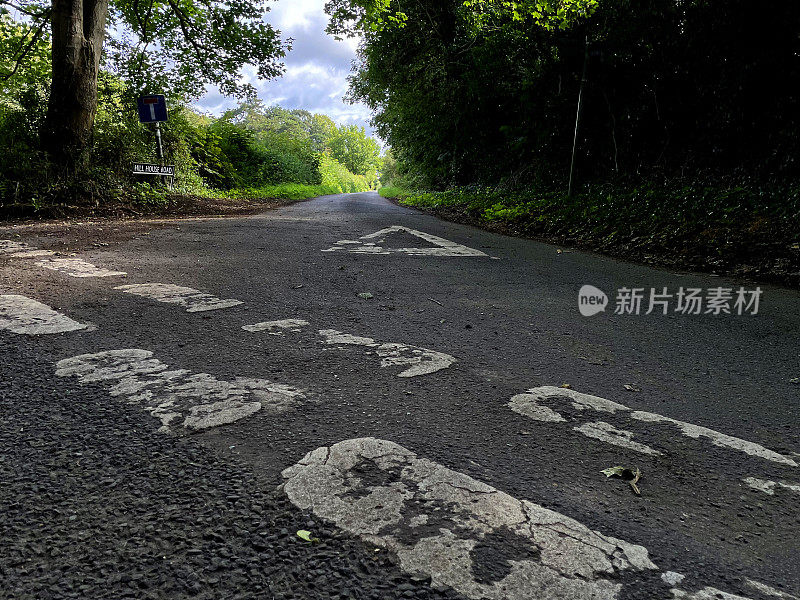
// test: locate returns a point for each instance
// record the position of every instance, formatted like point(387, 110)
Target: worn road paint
point(444, 524)
point(194, 401)
point(531, 404)
point(370, 244)
point(11, 246)
point(769, 590)
point(75, 267)
point(768, 487)
point(31, 254)
point(193, 300)
point(277, 327)
point(672, 578)
point(23, 315)
point(420, 361)
point(14, 249)
point(605, 432)
point(707, 593)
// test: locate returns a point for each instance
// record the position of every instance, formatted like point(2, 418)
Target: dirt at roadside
point(178, 206)
point(82, 228)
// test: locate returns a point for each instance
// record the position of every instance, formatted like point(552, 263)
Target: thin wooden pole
point(578, 116)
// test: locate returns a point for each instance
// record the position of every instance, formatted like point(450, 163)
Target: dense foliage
point(673, 88)
point(251, 151)
point(733, 229)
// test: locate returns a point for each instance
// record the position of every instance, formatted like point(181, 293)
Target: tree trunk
point(78, 33)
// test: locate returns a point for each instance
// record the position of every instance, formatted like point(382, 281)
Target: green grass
point(697, 222)
point(284, 191)
point(392, 192)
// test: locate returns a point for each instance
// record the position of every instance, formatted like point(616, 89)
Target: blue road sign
point(152, 108)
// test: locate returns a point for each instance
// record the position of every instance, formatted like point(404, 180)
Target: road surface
point(425, 399)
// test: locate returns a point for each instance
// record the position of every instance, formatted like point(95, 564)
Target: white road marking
point(444, 525)
point(11, 246)
point(605, 432)
point(420, 361)
point(20, 314)
point(768, 487)
point(672, 578)
point(75, 267)
point(194, 401)
point(436, 520)
point(370, 244)
point(769, 590)
point(193, 300)
point(31, 254)
point(277, 327)
point(531, 405)
point(707, 593)
point(15, 249)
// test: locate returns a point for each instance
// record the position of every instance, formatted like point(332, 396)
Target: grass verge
point(392, 192)
point(746, 231)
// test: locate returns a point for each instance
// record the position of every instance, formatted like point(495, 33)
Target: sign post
point(153, 109)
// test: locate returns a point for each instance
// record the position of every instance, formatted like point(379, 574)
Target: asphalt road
point(403, 394)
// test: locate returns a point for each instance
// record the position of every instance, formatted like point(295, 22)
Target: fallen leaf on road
point(612, 471)
point(632, 388)
point(365, 295)
point(630, 475)
point(566, 386)
point(306, 535)
point(795, 380)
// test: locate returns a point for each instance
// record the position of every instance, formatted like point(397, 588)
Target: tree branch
point(24, 51)
point(185, 22)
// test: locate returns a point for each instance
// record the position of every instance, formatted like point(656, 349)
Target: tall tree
point(351, 146)
point(484, 91)
point(177, 46)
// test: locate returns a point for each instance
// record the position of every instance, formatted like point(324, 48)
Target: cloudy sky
point(316, 68)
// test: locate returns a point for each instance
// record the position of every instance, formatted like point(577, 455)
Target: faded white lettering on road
point(193, 401)
point(606, 432)
point(707, 593)
point(532, 404)
point(768, 487)
point(769, 590)
point(12, 246)
point(32, 254)
point(15, 249)
point(371, 244)
point(193, 300)
point(444, 524)
point(75, 267)
point(420, 361)
point(20, 314)
point(277, 327)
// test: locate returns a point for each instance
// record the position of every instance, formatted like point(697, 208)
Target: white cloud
point(316, 68)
